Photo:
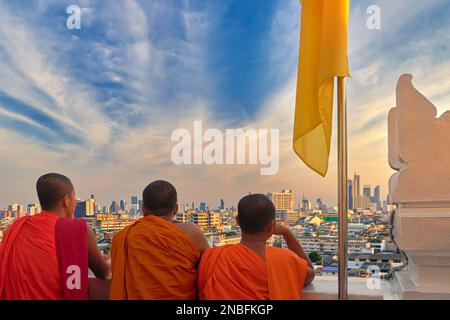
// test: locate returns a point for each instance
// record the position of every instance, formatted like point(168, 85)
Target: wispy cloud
point(100, 103)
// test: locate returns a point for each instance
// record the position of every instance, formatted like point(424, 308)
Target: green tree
point(315, 257)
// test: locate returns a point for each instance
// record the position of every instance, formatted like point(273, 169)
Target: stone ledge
point(323, 288)
point(326, 288)
point(404, 289)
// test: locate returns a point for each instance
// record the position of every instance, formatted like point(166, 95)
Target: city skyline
point(99, 104)
point(135, 199)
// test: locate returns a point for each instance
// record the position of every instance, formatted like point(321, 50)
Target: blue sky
point(100, 103)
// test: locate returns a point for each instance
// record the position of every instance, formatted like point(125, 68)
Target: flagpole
point(342, 188)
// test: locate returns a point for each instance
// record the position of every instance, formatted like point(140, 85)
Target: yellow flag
point(323, 56)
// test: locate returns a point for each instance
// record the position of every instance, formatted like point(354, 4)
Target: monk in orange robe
point(251, 270)
point(35, 250)
point(156, 258)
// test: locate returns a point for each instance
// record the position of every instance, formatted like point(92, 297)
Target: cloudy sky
point(99, 104)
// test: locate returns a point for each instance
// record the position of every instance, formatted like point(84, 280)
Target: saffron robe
point(153, 260)
point(32, 256)
point(235, 272)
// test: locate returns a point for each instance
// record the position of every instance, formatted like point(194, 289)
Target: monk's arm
point(195, 234)
point(200, 240)
point(297, 248)
point(97, 262)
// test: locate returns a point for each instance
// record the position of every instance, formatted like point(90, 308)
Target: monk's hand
point(281, 230)
point(107, 258)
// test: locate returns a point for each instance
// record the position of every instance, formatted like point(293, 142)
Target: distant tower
point(356, 188)
point(350, 194)
point(367, 191)
point(123, 205)
point(134, 205)
point(376, 194)
point(113, 208)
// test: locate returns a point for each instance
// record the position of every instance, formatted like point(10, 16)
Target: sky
point(99, 104)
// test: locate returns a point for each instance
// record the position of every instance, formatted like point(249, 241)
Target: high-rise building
point(356, 185)
point(114, 207)
point(81, 209)
point(306, 205)
point(350, 194)
point(33, 209)
point(320, 204)
point(123, 205)
point(141, 203)
point(376, 194)
point(85, 208)
point(200, 219)
point(222, 204)
point(283, 201)
point(90, 205)
point(361, 202)
point(213, 219)
point(367, 191)
point(134, 206)
point(16, 208)
point(202, 206)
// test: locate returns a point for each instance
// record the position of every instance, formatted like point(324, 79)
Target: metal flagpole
point(342, 188)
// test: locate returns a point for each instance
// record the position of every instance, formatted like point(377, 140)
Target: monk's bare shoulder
point(195, 234)
point(189, 228)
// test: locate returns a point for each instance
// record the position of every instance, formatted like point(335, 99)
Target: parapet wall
point(419, 150)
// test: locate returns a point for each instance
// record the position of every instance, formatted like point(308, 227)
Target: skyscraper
point(222, 204)
point(85, 208)
point(320, 204)
point(350, 194)
point(356, 189)
point(377, 197)
point(356, 185)
point(113, 208)
point(134, 205)
point(141, 202)
point(367, 191)
point(202, 206)
point(123, 205)
point(80, 209)
point(376, 194)
point(90, 207)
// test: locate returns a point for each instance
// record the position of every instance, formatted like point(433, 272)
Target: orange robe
point(235, 272)
point(28, 260)
point(153, 260)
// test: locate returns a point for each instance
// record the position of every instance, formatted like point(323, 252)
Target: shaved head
point(160, 198)
point(255, 211)
point(51, 188)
